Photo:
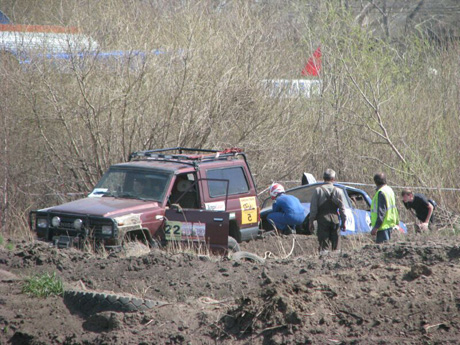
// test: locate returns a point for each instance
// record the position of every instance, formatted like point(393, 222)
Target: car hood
point(104, 206)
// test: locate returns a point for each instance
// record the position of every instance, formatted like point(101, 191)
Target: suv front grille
point(67, 225)
point(90, 225)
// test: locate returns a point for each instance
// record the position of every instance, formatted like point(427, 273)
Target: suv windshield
point(132, 183)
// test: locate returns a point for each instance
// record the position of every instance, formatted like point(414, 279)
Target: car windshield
point(132, 183)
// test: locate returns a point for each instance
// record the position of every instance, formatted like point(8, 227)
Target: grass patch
point(43, 285)
point(8, 246)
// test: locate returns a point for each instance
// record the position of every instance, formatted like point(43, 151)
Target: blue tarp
point(4, 18)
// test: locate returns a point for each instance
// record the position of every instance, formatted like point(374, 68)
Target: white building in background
point(64, 48)
point(26, 39)
point(292, 88)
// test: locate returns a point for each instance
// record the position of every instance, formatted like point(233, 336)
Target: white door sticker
point(215, 206)
point(350, 223)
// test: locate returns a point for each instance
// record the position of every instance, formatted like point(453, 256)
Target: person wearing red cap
point(287, 211)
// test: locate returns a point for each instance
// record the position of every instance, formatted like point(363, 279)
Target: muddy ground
point(405, 292)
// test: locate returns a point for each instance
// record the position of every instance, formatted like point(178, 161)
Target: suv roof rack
point(163, 155)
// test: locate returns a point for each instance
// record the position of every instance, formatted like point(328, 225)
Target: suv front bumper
point(64, 233)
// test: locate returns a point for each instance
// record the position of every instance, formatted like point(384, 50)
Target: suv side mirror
point(177, 208)
point(308, 179)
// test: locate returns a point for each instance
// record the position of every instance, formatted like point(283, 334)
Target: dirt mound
point(406, 292)
point(272, 309)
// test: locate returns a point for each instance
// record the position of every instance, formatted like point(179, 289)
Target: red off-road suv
point(159, 196)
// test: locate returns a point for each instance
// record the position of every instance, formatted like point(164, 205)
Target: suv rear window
point(237, 181)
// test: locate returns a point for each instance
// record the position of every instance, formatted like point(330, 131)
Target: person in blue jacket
point(287, 211)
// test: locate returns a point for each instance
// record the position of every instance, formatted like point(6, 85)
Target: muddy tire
point(240, 256)
point(233, 245)
point(88, 302)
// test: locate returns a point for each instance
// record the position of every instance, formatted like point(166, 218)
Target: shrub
point(43, 285)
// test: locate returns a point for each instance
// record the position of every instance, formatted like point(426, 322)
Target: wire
point(402, 187)
point(448, 189)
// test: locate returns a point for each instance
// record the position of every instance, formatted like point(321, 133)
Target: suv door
point(237, 196)
point(200, 229)
point(360, 206)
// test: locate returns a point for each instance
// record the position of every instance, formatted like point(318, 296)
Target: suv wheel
point(233, 245)
point(234, 231)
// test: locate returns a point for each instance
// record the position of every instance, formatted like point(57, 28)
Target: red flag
point(313, 66)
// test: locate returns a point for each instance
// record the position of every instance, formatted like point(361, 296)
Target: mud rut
point(407, 292)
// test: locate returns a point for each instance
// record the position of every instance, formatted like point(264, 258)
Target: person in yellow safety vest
point(384, 214)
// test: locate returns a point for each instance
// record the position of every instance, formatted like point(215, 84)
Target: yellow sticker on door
point(248, 210)
point(173, 231)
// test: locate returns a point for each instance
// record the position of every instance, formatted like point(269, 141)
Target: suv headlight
point(42, 223)
point(106, 229)
point(56, 221)
point(78, 224)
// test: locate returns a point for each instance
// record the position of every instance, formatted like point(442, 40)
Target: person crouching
point(287, 211)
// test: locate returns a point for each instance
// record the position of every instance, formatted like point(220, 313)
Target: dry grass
point(279, 247)
point(196, 248)
point(356, 242)
point(135, 249)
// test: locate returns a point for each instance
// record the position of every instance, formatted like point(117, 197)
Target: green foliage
point(43, 285)
point(8, 246)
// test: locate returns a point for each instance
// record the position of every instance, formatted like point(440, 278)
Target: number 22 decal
point(173, 231)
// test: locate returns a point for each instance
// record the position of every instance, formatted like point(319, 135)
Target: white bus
point(22, 40)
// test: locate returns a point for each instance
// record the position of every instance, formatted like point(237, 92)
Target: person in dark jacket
point(422, 207)
point(287, 211)
point(323, 208)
